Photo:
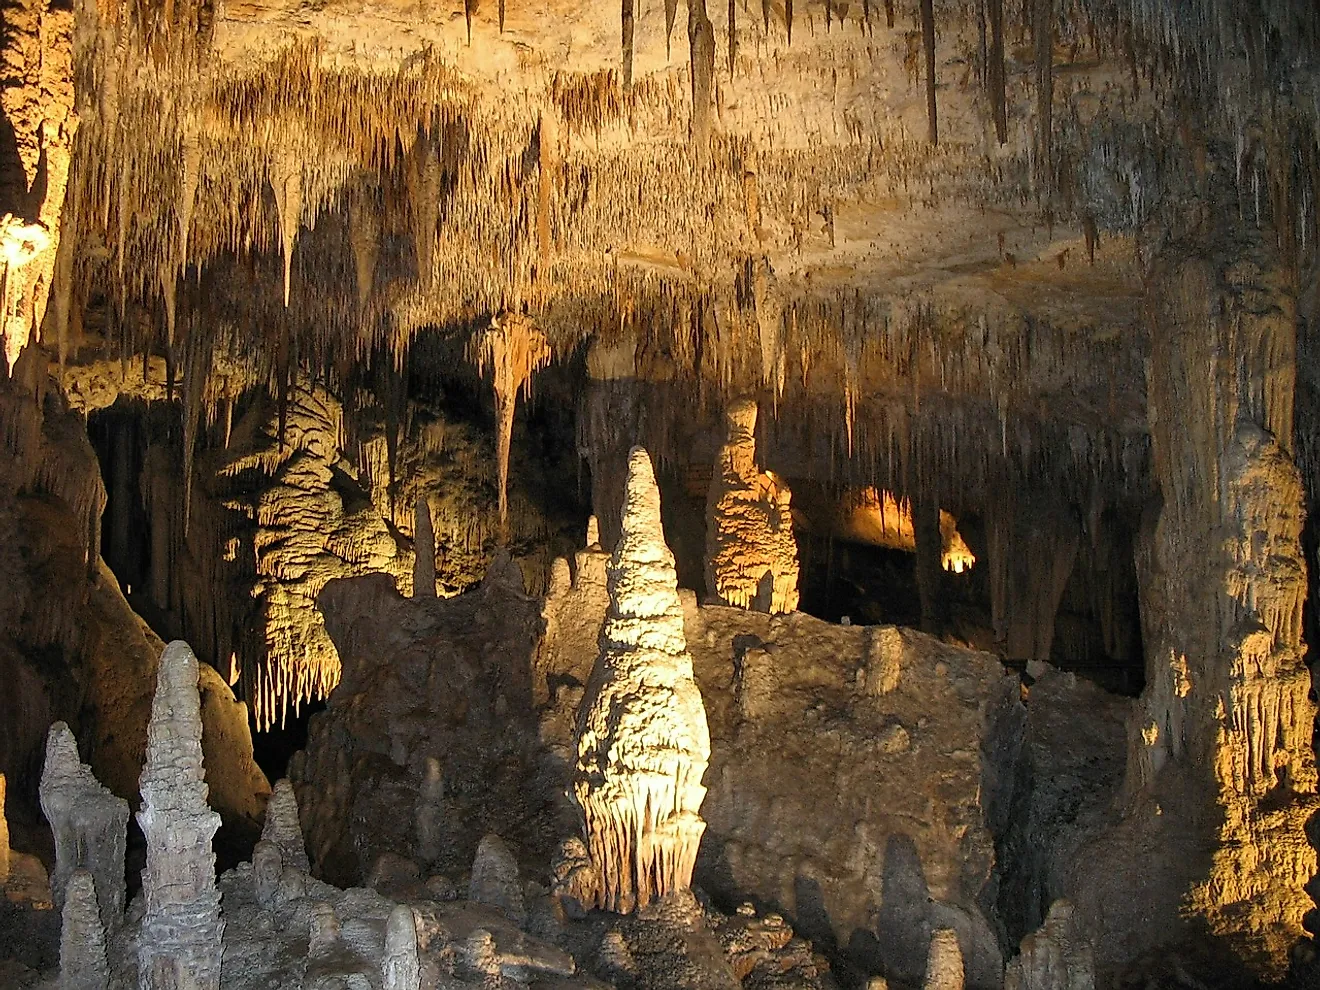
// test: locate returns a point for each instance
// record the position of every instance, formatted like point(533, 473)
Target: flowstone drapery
point(642, 742)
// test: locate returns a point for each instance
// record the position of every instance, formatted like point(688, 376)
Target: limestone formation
point(83, 964)
point(399, 965)
point(282, 828)
point(267, 868)
point(944, 962)
point(876, 516)
point(1054, 957)
point(643, 743)
point(495, 878)
point(751, 554)
point(180, 945)
point(4, 834)
point(89, 824)
point(513, 349)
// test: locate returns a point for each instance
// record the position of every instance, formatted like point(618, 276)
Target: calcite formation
point(83, 963)
point(282, 828)
point(877, 516)
point(495, 879)
point(1054, 957)
point(180, 944)
point(4, 833)
point(89, 824)
point(751, 554)
point(944, 962)
point(513, 349)
point(642, 741)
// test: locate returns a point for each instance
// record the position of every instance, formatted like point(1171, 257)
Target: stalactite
point(671, 14)
point(627, 22)
point(1044, 38)
point(788, 19)
point(889, 14)
point(765, 16)
point(928, 46)
point(286, 180)
point(995, 76)
point(513, 349)
point(701, 39)
point(733, 35)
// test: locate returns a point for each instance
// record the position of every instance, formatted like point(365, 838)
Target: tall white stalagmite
point(751, 555)
point(643, 743)
point(89, 823)
point(180, 944)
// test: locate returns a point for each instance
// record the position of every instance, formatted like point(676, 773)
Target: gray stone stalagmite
point(283, 828)
point(642, 741)
point(89, 823)
point(180, 946)
point(83, 964)
point(495, 878)
point(400, 968)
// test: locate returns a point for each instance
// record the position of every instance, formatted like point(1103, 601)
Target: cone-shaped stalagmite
point(180, 944)
point(513, 349)
point(643, 743)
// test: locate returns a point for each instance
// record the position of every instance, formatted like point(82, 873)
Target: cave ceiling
point(299, 183)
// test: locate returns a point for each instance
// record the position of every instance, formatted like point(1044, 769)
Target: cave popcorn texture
point(643, 743)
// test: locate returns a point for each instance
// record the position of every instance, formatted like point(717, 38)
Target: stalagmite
point(495, 878)
point(282, 828)
point(424, 550)
point(181, 930)
point(513, 349)
point(642, 739)
point(751, 554)
point(944, 962)
point(399, 965)
point(1054, 957)
point(83, 964)
point(430, 810)
point(89, 824)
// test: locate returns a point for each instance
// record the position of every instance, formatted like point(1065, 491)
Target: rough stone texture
point(1221, 774)
point(642, 740)
point(1057, 956)
point(89, 823)
point(282, 828)
point(751, 555)
point(446, 726)
point(944, 963)
point(180, 944)
point(83, 964)
point(495, 879)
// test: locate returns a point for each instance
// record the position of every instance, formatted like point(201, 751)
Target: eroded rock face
point(1057, 956)
point(642, 741)
point(751, 555)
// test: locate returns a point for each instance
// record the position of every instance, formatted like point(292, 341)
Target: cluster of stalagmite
point(83, 964)
point(642, 741)
point(751, 555)
point(88, 822)
point(180, 945)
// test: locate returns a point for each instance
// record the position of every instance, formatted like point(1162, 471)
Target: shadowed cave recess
point(800, 494)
